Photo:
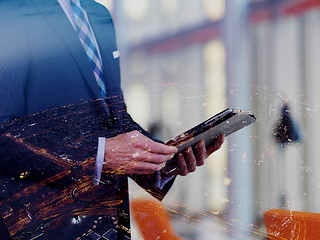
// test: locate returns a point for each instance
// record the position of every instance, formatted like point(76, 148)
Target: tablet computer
point(225, 122)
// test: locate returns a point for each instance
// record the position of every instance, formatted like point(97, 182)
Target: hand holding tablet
point(225, 122)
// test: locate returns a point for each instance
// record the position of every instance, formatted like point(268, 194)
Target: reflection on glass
point(214, 10)
point(215, 76)
point(215, 92)
point(138, 103)
point(135, 10)
point(171, 106)
point(169, 7)
point(170, 64)
point(138, 63)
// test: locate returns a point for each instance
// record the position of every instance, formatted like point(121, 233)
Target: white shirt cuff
point(99, 160)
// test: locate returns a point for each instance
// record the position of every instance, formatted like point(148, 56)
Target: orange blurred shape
point(153, 220)
point(293, 225)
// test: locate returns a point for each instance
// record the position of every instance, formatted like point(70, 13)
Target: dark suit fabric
point(52, 116)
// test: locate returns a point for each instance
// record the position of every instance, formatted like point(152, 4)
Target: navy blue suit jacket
point(43, 62)
point(47, 149)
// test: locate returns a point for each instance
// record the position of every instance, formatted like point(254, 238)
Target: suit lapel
point(56, 18)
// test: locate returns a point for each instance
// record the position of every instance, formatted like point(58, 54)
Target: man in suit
point(46, 163)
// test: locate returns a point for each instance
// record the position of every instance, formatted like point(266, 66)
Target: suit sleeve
point(39, 145)
point(151, 183)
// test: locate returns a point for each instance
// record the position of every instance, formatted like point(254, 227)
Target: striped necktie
point(86, 37)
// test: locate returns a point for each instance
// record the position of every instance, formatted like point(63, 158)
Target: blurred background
point(182, 61)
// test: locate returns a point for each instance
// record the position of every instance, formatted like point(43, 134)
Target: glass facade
point(195, 58)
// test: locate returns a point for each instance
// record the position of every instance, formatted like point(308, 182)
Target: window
point(215, 92)
point(169, 7)
point(214, 10)
point(135, 10)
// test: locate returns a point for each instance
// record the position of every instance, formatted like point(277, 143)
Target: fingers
point(182, 165)
point(144, 156)
point(215, 145)
point(134, 153)
point(139, 168)
point(201, 152)
point(187, 162)
point(190, 159)
point(147, 144)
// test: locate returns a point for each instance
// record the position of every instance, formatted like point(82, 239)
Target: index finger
point(149, 145)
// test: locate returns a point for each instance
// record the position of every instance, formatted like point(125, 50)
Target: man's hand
point(134, 153)
point(190, 159)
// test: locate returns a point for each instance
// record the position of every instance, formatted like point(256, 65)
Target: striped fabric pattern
point(86, 37)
